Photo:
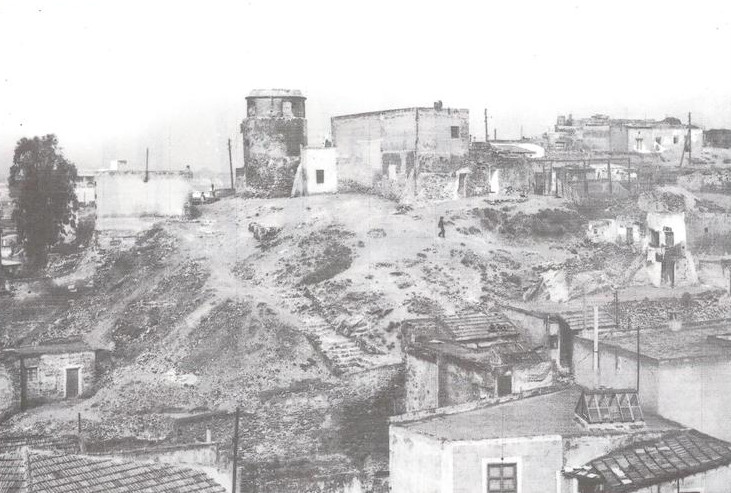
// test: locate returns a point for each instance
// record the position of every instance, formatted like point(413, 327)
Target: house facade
point(404, 153)
point(530, 445)
point(466, 358)
point(668, 260)
point(683, 371)
point(48, 372)
point(316, 173)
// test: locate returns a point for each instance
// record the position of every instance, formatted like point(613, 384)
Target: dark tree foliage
point(42, 181)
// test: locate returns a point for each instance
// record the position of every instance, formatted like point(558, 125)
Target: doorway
point(505, 384)
point(72, 383)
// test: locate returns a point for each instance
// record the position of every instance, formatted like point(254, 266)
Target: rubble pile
point(653, 313)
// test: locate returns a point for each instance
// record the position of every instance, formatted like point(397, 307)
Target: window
point(455, 132)
point(501, 478)
point(31, 374)
point(638, 144)
point(320, 176)
point(654, 238)
point(658, 140)
point(676, 139)
point(553, 341)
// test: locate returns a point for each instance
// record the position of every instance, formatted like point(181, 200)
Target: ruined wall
point(422, 384)
point(705, 403)
point(271, 153)
point(390, 150)
point(709, 233)
point(462, 383)
point(9, 387)
point(50, 383)
point(531, 377)
point(707, 180)
point(202, 454)
point(126, 194)
point(617, 369)
point(661, 222)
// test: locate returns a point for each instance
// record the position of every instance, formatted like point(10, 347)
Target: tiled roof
point(544, 415)
point(575, 320)
point(68, 444)
point(675, 455)
point(461, 328)
point(44, 472)
point(477, 326)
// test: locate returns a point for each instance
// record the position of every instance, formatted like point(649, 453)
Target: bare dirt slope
point(288, 308)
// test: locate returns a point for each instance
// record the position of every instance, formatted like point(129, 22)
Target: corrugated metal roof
point(45, 472)
point(675, 455)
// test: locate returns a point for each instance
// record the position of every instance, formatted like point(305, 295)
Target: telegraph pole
point(235, 451)
point(230, 164)
point(690, 145)
point(487, 133)
point(638, 353)
point(2, 274)
point(147, 164)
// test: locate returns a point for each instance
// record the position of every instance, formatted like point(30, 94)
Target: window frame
point(517, 462)
point(320, 176)
point(28, 370)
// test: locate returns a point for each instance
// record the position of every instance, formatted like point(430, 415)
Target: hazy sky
point(111, 78)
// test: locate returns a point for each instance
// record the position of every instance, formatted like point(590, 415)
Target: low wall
point(135, 194)
point(201, 454)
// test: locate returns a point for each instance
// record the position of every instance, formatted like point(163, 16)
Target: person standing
point(441, 227)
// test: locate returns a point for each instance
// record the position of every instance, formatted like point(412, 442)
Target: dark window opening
point(654, 238)
point(505, 385)
point(501, 478)
point(455, 132)
point(658, 140)
point(320, 176)
point(553, 341)
point(676, 139)
point(669, 237)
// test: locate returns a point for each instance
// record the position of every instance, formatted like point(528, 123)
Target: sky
point(111, 79)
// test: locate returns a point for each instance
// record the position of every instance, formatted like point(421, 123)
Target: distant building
point(52, 371)
point(717, 137)
point(626, 231)
point(317, 172)
point(502, 169)
point(274, 131)
point(85, 188)
point(463, 358)
point(408, 153)
point(600, 133)
point(683, 373)
point(558, 442)
point(28, 470)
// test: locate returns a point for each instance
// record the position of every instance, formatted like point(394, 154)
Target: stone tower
point(274, 131)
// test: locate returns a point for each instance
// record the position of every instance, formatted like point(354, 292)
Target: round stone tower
point(275, 129)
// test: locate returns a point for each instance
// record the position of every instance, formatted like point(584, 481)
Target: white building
point(317, 172)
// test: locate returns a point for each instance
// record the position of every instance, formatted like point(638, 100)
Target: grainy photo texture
point(365, 247)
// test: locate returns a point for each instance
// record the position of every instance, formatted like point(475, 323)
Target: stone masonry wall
point(50, 383)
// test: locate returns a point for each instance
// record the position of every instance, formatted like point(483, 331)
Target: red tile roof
point(675, 455)
point(26, 470)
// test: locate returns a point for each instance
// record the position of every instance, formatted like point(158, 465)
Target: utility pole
point(609, 174)
point(235, 451)
point(494, 133)
point(230, 164)
point(638, 353)
point(487, 133)
point(690, 144)
point(616, 308)
point(147, 164)
point(2, 273)
point(583, 306)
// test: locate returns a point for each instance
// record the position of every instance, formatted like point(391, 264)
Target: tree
point(42, 182)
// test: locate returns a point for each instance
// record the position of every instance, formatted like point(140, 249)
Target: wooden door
point(72, 383)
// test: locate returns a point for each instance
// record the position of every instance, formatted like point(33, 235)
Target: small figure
point(441, 227)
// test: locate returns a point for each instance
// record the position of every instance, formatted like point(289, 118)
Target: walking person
point(441, 227)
